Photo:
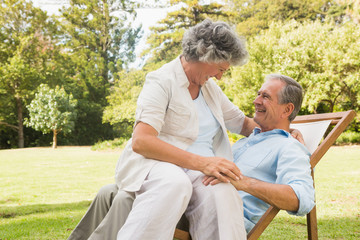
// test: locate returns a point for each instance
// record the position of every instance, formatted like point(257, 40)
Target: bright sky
point(147, 17)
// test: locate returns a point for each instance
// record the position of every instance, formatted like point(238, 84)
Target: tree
point(27, 48)
point(323, 57)
point(253, 16)
point(352, 9)
point(52, 110)
point(99, 42)
point(122, 101)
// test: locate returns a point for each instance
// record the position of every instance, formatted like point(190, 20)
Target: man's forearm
point(279, 195)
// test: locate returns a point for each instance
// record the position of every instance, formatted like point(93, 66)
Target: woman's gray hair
point(214, 42)
point(292, 92)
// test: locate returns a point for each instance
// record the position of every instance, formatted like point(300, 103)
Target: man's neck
point(286, 127)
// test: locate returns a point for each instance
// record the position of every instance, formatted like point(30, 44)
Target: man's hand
point(213, 180)
point(238, 184)
point(221, 169)
point(210, 180)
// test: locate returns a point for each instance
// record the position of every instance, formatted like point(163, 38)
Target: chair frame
point(340, 120)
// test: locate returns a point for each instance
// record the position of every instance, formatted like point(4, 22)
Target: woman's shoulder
point(165, 74)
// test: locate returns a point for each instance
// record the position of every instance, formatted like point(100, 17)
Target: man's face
point(268, 112)
point(204, 71)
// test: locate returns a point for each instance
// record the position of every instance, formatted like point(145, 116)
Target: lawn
point(45, 192)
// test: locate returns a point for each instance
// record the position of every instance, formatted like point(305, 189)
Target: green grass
point(45, 192)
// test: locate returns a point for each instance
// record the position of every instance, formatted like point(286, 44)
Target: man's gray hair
point(292, 92)
point(214, 42)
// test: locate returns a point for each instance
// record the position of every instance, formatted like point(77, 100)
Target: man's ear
point(289, 108)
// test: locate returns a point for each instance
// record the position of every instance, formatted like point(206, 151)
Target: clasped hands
point(219, 170)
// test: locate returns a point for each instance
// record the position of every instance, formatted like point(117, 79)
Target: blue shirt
point(274, 157)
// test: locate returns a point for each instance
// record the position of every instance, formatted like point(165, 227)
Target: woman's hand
point(297, 135)
point(220, 169)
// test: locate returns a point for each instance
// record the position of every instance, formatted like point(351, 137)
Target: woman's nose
point(219, 75)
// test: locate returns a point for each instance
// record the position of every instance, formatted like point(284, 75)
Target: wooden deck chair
point(320, 122)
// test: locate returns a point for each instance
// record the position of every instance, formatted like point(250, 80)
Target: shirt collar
point(272, 132)
point(180, 73)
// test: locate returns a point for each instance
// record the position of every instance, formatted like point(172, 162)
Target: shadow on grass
point(40, 221)
point(12, 212)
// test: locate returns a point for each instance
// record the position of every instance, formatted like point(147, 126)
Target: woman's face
point(203, 71)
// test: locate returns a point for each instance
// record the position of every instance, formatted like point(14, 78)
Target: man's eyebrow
point(267, 95)
point(264, 93)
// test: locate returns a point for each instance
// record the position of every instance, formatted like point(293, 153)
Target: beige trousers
point(214, 212)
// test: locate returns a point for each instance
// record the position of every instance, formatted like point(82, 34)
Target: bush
point(348, 138)
point(117, 143)
point(233, 137)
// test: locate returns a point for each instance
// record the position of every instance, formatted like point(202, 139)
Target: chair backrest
point(312, 132)
point(340, 120)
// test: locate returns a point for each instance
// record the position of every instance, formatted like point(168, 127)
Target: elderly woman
point(180, 135)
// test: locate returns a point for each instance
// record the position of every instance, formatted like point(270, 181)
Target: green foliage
point(52, 110)
point(27, 54)
point(323, 57)
point(120, 111)
point(253, 16)
point(233, 137)
point(99, 42)
point(348, 138)
point(352, 9)
point(117, 143)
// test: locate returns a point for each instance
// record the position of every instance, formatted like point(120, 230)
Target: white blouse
point(208, 127)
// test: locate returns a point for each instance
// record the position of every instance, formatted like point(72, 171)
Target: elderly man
point(275, 166)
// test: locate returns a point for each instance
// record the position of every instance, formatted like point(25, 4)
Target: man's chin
point(256, 119)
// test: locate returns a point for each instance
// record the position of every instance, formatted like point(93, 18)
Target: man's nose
point(257, 100)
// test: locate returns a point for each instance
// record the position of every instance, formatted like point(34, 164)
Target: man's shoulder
point(283, 142)
point(294, 147)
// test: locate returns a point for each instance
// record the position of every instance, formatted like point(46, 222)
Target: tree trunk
point(20, 122)
point(54, 139)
